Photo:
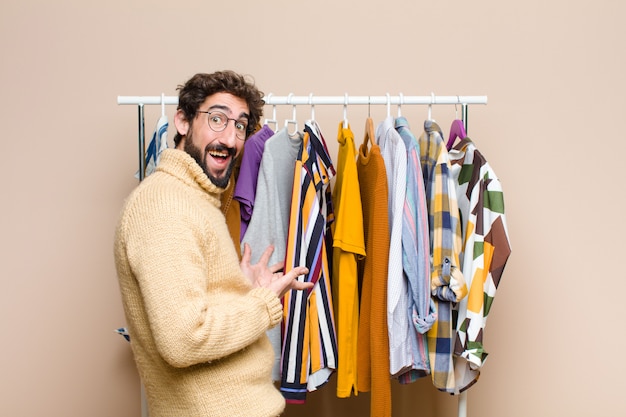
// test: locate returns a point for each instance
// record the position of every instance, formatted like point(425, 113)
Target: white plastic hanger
point(400, 105)
point(273, 119)
point(293, 119)
point(162, 104)
point(430, 106)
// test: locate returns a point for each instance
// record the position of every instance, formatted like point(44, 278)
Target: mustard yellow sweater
point(197, 327)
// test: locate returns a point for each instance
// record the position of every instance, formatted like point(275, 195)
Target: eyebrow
point(227, 109)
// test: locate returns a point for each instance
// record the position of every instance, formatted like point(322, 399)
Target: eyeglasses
point(218, 122)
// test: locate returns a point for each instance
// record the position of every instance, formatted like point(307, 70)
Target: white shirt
point(394, 155)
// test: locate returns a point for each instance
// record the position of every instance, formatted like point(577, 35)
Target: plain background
point(553, 72)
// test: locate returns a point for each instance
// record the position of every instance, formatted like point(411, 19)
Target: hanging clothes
point(416, 257)
point(486, 249)
point(230, 209)
point(348, 247)
point(157, 144)
point(373, 337)
point(270, 218)
point(245, 190)
point(447, 282)
point(309, 337)
point(393, 151)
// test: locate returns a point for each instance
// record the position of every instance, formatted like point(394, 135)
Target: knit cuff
point(274, 306)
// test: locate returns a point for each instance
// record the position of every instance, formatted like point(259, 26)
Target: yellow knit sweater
point(197, 328)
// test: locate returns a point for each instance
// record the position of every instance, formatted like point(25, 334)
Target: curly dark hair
point(200, 86)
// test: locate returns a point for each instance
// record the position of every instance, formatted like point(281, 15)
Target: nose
point(228, 138)
point(230, 132)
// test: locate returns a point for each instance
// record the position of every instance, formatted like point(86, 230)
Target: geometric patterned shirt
point(486, 250)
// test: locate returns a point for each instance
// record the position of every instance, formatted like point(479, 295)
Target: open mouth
point(219, 154)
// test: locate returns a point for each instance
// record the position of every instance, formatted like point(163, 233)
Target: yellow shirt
point(348, 245)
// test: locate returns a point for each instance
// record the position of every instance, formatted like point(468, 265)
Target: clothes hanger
point(400, 105)
point(430, 107)
point(457, 130)
point(345, 112)
point(273, 119)
point(293, 121)
point(388, 105)
point(312, 107)
point(370, 135)
point(162, 104)
point(312, 123)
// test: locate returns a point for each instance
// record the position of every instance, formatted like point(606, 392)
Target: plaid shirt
point(447, 282)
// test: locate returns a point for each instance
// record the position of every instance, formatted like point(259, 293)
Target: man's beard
point(199, 157)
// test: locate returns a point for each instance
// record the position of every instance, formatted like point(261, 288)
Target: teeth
point(218, 154)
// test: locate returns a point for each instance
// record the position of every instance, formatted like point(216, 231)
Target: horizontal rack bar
point(324, 100)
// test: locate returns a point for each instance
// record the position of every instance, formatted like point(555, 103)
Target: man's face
point(214, 151)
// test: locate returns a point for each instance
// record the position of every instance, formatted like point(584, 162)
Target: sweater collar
point(181, 165)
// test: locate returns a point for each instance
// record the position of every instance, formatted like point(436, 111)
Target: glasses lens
point(242, 128)
point(217, 121)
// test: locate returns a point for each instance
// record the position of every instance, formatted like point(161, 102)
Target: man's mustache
point(221, 148)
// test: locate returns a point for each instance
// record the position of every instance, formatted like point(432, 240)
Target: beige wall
point(554, 75)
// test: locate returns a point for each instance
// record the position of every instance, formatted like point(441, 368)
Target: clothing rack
point(312, 100)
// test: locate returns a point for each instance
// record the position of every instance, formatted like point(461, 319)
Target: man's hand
point(271, 277)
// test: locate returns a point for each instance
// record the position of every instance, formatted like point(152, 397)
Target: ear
point(182, 124)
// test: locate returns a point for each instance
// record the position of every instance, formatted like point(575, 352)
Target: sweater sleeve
point(197, 302)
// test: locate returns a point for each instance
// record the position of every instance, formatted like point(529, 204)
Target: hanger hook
point(293, 115)
point(388, 105)
point(400, 105)
point(293, 111)
point(456, 110)
point(162, 104)
point(345, 111)
point(430, 105)
point(312, 106)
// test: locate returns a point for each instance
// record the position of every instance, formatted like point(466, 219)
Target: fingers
point(297, 271)
point(265, 258)
point(299, 285)
point(245, 257)
point(292, 282)
point(293, 277)
point(286, 282)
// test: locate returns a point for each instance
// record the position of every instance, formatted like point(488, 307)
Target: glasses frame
point(228, 119)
